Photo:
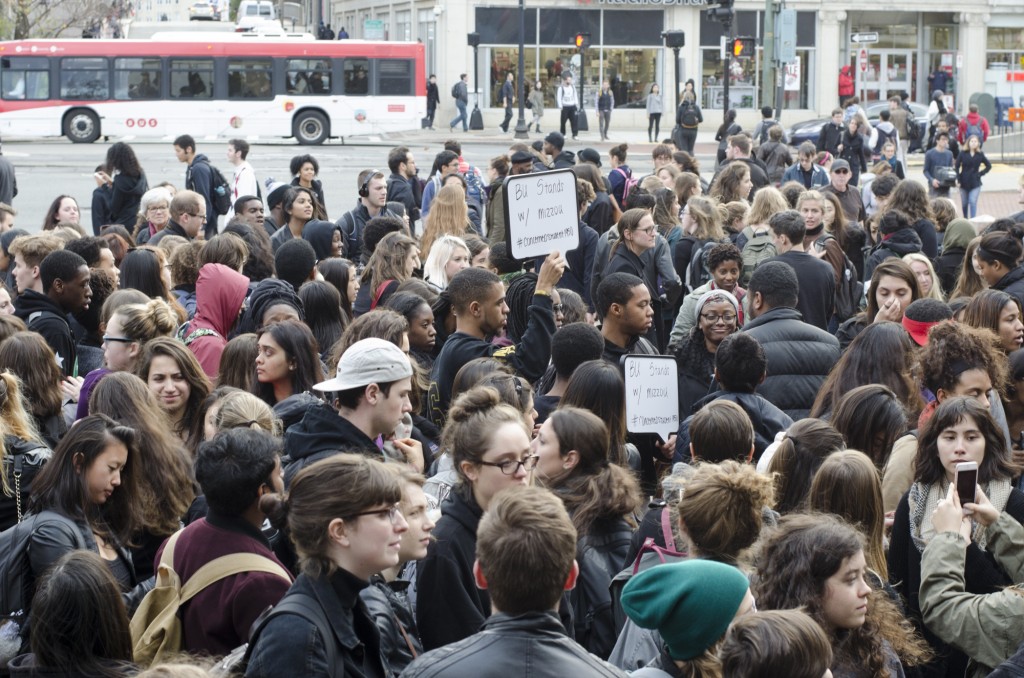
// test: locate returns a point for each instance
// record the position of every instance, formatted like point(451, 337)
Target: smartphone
point(966, 482)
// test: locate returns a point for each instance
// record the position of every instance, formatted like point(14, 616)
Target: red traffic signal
point(743, 48)
point(582, 40)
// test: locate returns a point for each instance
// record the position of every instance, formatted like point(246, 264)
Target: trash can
point(1003, 106)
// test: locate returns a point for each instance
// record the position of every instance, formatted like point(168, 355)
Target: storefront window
point(742, 82)
point(797, 78)
point(630, 72)
point(505, 60)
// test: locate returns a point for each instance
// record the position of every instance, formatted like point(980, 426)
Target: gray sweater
point(654, 104)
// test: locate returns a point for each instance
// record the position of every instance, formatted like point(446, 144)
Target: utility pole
point(522, 131)
point(768, 57)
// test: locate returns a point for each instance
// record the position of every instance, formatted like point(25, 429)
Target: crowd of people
point(381, 445)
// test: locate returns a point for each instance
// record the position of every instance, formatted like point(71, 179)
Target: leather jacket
point(524, 646)
point(389, 608)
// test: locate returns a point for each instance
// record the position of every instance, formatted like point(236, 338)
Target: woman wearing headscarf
point(957, 237)
point(325, 237)
point(715, 318)
point(272, 300)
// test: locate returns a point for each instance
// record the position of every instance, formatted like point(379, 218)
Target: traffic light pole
point(522, 131)
point(726, 64)
point(581, 115)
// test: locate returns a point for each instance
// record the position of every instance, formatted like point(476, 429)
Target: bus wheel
point(81, 126)
point(310, 128)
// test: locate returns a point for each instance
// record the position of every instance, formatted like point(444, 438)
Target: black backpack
point(689, 116)
point(17, 582)
point(220, 193)
point(765, 126)
point(885, 137)
point(849, 290)
point(455, 90)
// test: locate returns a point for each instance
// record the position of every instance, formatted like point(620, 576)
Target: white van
point(253, 13)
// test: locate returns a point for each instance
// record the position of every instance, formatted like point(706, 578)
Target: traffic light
point(582, 40)
point(743, 48)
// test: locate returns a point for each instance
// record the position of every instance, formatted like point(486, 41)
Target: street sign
point(863, 60)
point(864, 38)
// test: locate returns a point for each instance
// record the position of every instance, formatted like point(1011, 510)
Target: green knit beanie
point(690, 603)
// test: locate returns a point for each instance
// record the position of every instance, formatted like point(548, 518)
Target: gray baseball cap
point(370, 361)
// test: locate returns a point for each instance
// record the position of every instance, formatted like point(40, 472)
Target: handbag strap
point(666, 529)
point(380, 292)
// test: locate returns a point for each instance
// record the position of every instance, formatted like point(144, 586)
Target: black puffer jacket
point(902, 242)
point(388, 606)
point(766, 418)
point(799, 358)
point(1013, 284)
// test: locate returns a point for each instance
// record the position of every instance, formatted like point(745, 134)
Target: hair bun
point(476, 400)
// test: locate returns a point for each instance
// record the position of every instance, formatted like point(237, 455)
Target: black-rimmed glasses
point(123, 340)
point(510, 467)
point(392, 513)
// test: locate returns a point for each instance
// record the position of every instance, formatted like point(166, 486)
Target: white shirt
point(567, 96)
point(244, 184)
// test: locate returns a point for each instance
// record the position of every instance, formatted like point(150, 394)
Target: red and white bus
point(220, 86)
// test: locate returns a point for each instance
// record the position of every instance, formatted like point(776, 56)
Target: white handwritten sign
point(652, 394)
point(541, 213)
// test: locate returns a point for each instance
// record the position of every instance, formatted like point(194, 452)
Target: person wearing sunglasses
point(490, 447)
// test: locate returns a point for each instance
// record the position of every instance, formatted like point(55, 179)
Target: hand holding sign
point(652, 394)
point(550, 272)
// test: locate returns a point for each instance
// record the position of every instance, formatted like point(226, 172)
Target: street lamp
point(476, 119)
point(675, 40)
point(522, 131)
point(582, 43)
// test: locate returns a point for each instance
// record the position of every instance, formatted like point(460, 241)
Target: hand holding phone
point(966, 481)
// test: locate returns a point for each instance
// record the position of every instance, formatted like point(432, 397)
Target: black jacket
point(52, 324)
point(766, 418)
point(290, 645)
point(25, 458)
point(830, 137)
point(799, 358)
point(172, 228)
point(902, 242)
point(449, 606)
point(400, 190)
point(26, 666)
point(199, 178)
point(351, 224)
point(529, 358)
point(123, 199)
point(853, 153)
point(433, 96)
point(947, 267)
point(969, 169)
point(696, 371)
point(531, 645)
point(599, 215)
point(323, 433)
point(565, 159)
point(1013, 284)
point(388, 606)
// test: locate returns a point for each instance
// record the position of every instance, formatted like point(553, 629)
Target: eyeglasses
point(557, 308)
point(156, 209)
point(511, 467)
point(649, 229)
point(392, 513)
point(123, 340)
point(841, 171)
point(715, 317)
point(201, 217)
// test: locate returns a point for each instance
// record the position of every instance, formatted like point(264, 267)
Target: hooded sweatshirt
point(955, 240)
point(42, 315)
point(220, 292)
point(319, 234)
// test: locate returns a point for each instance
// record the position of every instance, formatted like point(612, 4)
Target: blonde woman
point(970, 281)
point(239, 409)
point(449, 215)
point(931, 288)
point(448, 256)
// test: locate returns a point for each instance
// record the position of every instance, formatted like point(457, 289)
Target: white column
point(829, 49)
point(972, 44)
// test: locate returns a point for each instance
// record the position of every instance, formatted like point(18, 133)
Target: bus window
point(308, 76)
point(191, 78)
point(357, 79)
point(137, 78)
point(84, 78)
point(395, 77)
point(249, 79)
point(25, 78)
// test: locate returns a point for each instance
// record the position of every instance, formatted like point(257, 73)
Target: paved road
point(47, 168)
